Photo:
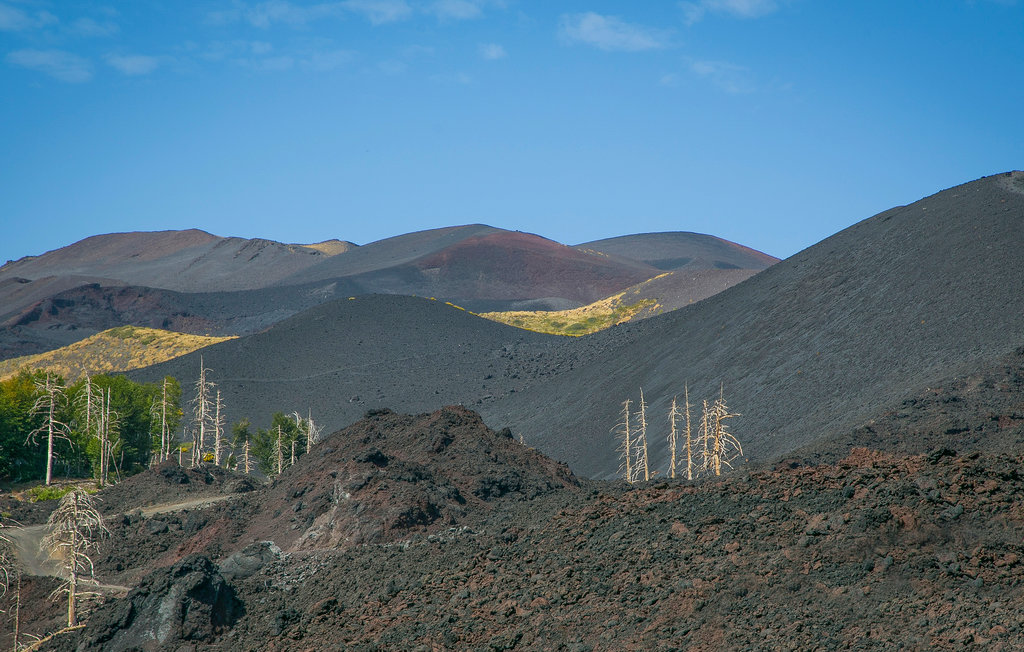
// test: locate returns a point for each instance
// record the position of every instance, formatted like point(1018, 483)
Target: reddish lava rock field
point(456, 537)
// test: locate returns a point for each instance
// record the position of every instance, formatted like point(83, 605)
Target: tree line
point(100, 426)
point(695, 450)
point(106, 427)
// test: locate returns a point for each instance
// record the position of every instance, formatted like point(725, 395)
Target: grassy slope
point(117, 349)
point(579, 321)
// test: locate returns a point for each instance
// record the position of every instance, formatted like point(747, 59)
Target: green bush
point(53, 492)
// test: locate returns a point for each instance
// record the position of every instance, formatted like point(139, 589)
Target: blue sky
point(774, 123)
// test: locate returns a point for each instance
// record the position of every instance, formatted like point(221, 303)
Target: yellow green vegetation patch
point(118, 349)
point(578, 321)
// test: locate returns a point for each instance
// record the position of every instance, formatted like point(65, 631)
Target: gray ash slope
point(817, 344)
point(373, 351)
point(681, 249)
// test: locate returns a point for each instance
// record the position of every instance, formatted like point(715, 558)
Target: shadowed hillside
point(680, 249)
point(346, 356)
point(815, 345)
point(186, 261)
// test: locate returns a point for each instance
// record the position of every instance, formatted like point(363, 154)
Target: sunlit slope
point(663, 293)
point(117, 349)
point(578, 321)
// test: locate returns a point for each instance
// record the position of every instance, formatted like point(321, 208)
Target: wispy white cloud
point(94, 28)
point(492, 51)
point(392, 67)
point(459, 78)
point(456, 9)
point(695, 11)
point(379, 12)
point(13, 19)
point(461, 9)
point(728, 77)
point(611, 33)
point(272, 64)
point(268, 13)
point(61, 65)
point(132, 65)
point(327, 61)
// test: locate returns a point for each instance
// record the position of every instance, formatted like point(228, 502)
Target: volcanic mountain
point(185, 261)
point(681, 249)
point(807, 351)
point(343, 357)
point(482, 268)
point(204, 284)
point(815, 346)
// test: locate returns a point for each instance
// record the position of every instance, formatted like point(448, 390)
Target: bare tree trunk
point(641, 442)
point(310, 430)
point(50, 399)
point(672, 439)
point(248, 468)
point(705, 435)
point(17, 612)
point(280, 452)
point(689, 438)
point(627, 445)
point(165, 447)
point(49, 441)
point(73, 576)
point(217, 433)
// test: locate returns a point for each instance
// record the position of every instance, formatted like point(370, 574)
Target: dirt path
point(34, 560)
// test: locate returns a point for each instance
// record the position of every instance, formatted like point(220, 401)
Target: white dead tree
point(673, 436)
point(158, 416)
point(245, 457)
point(624, 430)
point(107, 421)
point(689, 435)
point(306, 426)
point(725, 447)
point(312, 431)
point(202, 414)
point(218, 432)
point(49, 403)
point(280, 451)
point(705, 436)
point(74, 529)
point(10, 580)
point(640, 468)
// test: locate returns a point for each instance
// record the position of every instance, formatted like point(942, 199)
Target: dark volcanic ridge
point(344, 357)
point(184, 261)
point(814, 346)
point(875, 550)
point(200, 283)
point(682, 250)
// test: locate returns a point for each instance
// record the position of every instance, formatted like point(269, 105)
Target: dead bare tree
point(626, 447)
point(689, 437)
point(705, 436)
point(10, 580)
point(725, 446)
point(245, 456)
point(673, 411)
point(312, 431)
point(640, 467)
point(49, 403)
point(280, 451)
point(202, 413)
point(218, 431)
point(75, 527)
point(106, 430)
